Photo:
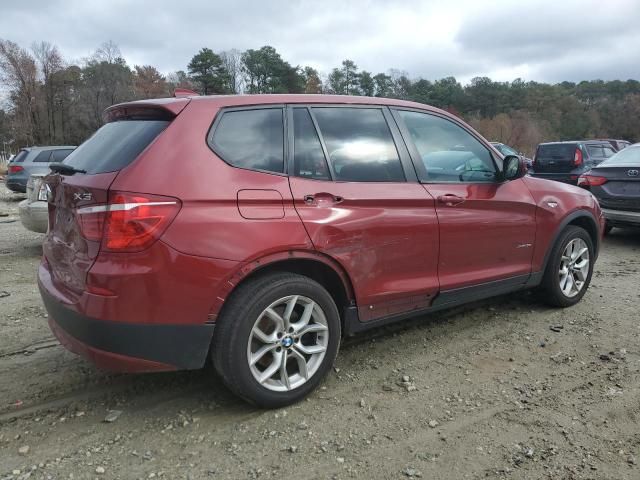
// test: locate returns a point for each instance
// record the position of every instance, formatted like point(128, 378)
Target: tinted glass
point(558, 151)
point(359, 144)
point(115, 145)
point(309, 158)
point(20, 156)
point(449, 153)
point(251, 139)
point(60, 155)
point(595, 151)
point(608, 152)
point(43, 156)
point(503, 149)
point(628, 156)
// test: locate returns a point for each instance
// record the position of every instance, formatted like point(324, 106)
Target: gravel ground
point(505, 388)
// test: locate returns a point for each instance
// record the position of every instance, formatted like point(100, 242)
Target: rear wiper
point(64, 169)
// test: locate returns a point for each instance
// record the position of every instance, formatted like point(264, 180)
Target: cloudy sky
point(544, 40)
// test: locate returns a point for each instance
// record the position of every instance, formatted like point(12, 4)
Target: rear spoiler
point(157, 109)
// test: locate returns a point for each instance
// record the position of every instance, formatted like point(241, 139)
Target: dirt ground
point(505, 388)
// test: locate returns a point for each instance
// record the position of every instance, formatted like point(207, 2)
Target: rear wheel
point(570, 267)
point(276, 339)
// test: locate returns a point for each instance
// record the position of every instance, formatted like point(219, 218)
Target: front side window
point(359, 144)
point(252, 139)
point(308, 156)
point(449, 153)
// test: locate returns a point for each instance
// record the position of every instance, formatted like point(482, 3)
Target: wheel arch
point(580, 218)
point(321, 268)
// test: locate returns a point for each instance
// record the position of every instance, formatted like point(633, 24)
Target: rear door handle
point(450, 199)
point(322, 198)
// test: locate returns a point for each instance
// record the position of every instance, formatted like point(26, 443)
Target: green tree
point(366, 84)
point(207, 70)
point(312, 82)
point(266, 72)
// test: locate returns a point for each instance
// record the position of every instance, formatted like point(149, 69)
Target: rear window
point(20, 156)
point(628, 156)
point(252, 139)
point(115, 145)
point(560, 151)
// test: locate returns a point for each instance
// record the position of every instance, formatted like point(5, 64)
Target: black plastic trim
point(566, 221)
point(182, 346)
point(446, 299)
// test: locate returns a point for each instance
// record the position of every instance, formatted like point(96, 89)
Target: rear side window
point(308, 155)
point(20, 156)
point(359, 144)
point(60, 155)
point(115, 145)
point(43, 156)
point(595, 151)
point(252, 139)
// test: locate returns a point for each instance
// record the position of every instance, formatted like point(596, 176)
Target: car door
point(487, 227)
point(357, 194)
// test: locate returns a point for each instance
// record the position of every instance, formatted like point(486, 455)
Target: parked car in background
point(33, 211)
point(566, 161)
point(295, 220)
point(617, 144)
point(33, 160)
point(616, 185)
point(507, 150)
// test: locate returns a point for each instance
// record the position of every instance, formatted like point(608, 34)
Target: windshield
point(630, 155)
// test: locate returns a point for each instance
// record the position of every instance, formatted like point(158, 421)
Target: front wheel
point(569, 269)
point(276, 339)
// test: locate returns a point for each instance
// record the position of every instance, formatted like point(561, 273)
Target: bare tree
point(232, 63)
point(50, 63)
point(18, 72)
point(108, 52)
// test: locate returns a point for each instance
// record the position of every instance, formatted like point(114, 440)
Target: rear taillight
point(15, 168)
point(130, 222)
point(591, 181)
point(577, 157)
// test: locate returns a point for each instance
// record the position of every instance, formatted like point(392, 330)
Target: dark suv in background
point(566, 161)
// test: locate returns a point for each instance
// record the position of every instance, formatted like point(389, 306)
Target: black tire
point(550, 287)
point(234, 326)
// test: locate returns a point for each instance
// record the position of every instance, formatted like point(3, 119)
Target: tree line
point(50, 100)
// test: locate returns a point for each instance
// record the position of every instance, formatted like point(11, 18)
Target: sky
point(541, 40)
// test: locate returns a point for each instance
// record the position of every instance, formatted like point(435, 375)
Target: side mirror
point(513, 167)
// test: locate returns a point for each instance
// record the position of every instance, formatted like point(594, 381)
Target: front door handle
point(450, 199)
point(322, 199)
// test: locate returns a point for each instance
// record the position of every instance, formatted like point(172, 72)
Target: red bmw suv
point(259, 230)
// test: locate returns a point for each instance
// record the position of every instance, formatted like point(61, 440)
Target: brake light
point(130, 222)
point(577, 157)
point(15, 168)
point(591, 181)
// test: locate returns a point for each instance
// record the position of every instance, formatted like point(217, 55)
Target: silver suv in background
point(33, 160)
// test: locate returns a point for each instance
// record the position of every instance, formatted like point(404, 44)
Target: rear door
point(487, 227)
point(68, 249)
point(356, 192)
